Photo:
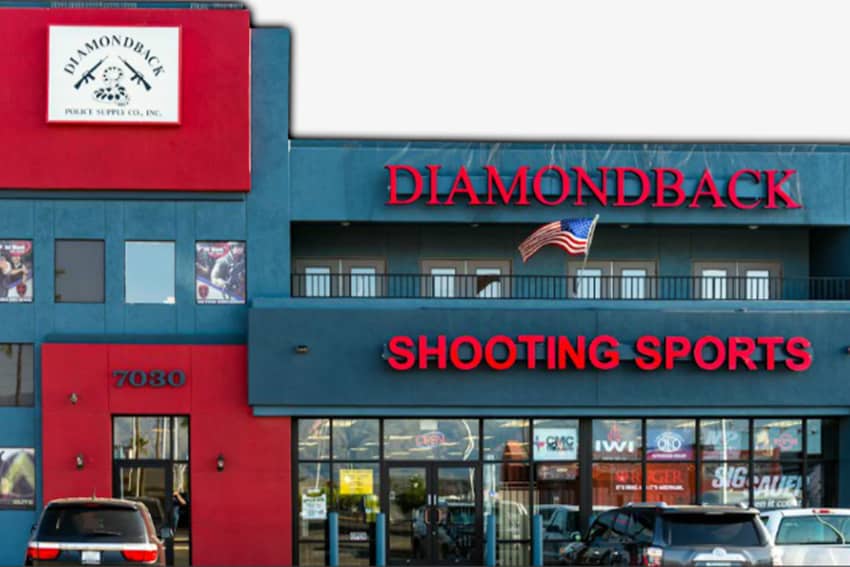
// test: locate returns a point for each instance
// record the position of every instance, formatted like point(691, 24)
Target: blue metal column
point(380, 540)
point(333, 538)
point(490, 549)
point(537, 540)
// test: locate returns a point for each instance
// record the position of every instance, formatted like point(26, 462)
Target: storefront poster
point(220, 272)
point(559, 444)
point(16, 273)
point(355, 482)
point(668, 445)
point(314, 506)
point(17, 478)
point(772, 486)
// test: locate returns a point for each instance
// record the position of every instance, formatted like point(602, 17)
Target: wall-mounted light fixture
point(302, 349)
point(80, 461)
point(624, 226)
point(73, 397)
point(753, 227)
point(219, 463)
point(345, 224)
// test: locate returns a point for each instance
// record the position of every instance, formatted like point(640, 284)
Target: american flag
point(573, 235)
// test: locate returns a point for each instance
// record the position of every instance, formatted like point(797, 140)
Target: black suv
point(656, 534)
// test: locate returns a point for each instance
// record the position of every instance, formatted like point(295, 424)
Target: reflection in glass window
point(758, 284)
point(180, 440)
point(147, 437)
point(617, 439)
point(617, 484)
point(356, 439)
point(149, 272)
point(363, 282)
point(431, 439)
point(673, 483)
point(488, 283)
point(443, 282)
point(821, 485)
point(79, 271)
point(777, 485)
point(714, 284)
point(670, 439)
point(506, 439)
point(725, 439)
point(314, 436)
point(589, 283)
point(506, 495)
point(314, 499)
point(633, 283)
point(556, 499)
point(778, 438)
point(725, 483)
point(317, 281)
point(356, 496)
point(16, 375)
point(555, 439)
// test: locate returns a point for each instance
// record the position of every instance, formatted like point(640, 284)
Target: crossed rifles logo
point(112, 91)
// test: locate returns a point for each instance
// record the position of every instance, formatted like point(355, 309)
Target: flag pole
point(589, 241)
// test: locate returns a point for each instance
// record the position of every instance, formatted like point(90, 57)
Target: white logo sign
point(109, 74)
point(556, 444)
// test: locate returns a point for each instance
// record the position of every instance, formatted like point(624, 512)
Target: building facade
point(248, 331)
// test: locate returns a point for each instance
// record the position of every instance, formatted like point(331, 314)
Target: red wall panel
point(209, 151)
point(241, 515)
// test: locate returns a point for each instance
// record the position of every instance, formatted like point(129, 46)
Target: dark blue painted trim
point(446, 411)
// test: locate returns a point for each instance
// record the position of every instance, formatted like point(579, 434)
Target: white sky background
point(569, 70)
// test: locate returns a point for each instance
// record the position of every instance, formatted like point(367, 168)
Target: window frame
point(32, 362)
point(466, 278)
point(56, 297)
point(736, 278)
point(340, 274)
point(173, 281)
point(612, 277)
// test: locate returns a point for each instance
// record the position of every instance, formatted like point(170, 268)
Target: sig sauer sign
point(112, 74)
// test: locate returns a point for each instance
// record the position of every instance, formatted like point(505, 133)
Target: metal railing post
point(380, 540)
point(333, 539)
point(537, 540)
point(490, 549)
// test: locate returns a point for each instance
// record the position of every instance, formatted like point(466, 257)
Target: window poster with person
point(16, 273)
point(17, 478)
point(220, 272)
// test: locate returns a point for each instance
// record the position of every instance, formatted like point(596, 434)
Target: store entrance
point(150, 464)
point(433, 513)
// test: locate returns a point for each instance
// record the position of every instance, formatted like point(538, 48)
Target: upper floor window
point(610, 279)
point(79, 271)
point(338, 277)
point(738, 280)
point(486, 279)
point(16, 271)
point(220, 272)
point(16, 374)
point(149, 272)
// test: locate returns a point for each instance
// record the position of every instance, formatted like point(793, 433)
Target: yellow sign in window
point(355, 482)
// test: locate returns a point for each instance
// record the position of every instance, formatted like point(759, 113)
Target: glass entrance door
point(434, 514)
point(150, 465)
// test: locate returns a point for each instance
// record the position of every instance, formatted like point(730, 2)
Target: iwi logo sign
point(127, 74)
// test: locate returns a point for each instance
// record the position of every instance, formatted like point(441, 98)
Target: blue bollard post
point(380, 540)
point(490, 549)
point(333, 539)
point(537, 540)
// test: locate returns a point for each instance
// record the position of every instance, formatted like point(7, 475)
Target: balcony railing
point(569, 287)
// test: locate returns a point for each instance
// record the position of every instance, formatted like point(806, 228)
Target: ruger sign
point(112, 74)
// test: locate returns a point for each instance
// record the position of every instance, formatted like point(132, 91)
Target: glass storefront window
point(670, 439)
point(356, 439)
point(617, 439)
point(506, 495)
point(777, 485)
point(506, 439)
point(778, 438)
point(671, 483)
point(616, 484)
point(181, 438)
point(431, 439)
point(822, 438)
point(356, 496)
point(314, 437)
point(555, 440)
point(314, 499)
point(725, 483)
point(556, 499)
point(821, 485)
point(725, 439)
point(142, 437)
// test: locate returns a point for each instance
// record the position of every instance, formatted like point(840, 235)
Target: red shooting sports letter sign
point(661, 187)
point(502, 352)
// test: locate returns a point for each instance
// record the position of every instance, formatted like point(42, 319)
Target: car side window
point(642, 528)
point(621, 526)
point(600, 531)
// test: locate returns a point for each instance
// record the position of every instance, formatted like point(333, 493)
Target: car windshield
point(95, 522)
point(814, 530)
point(709, 529)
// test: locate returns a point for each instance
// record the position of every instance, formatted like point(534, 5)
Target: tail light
point(41, 553)
point(140, 555)
point(653, 556)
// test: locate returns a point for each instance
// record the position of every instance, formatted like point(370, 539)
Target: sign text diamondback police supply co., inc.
point(128, 74)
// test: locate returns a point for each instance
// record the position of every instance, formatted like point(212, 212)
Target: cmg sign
point(100, 74)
